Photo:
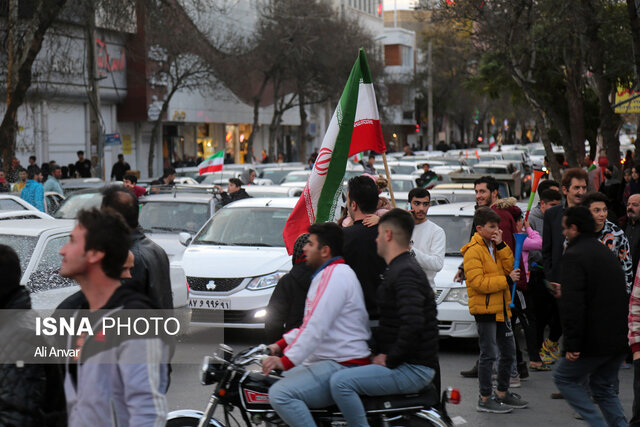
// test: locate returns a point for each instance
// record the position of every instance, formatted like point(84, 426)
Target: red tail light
point(453, 395)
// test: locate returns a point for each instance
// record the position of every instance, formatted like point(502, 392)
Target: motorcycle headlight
point(265, 282)
point(458, 295)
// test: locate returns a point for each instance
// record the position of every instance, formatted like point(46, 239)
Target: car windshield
point(75, 202)
point(246, 226)
point(173, 216)
point(456, 228)
point(297, 177)
point(10, 205)
point(506, 155)
point(275, 175)
point(402, 185)
point(403, 169)
point(212, 178)
point(23, 245)
point(491, 170)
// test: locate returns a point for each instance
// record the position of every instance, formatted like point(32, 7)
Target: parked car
point(454, 319)
point(277, 173)
point(273, 191)
point(13, 201)
point(235, 261)
point(296, 179)
point(164, 216)
point(83, 199)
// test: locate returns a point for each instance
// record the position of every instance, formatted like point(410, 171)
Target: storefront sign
point(126, 144)
point(112, 139)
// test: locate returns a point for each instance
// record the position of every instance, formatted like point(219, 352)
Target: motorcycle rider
point(333, 335)
point(406, 341)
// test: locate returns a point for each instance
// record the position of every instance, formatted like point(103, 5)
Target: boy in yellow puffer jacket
point(488, 266)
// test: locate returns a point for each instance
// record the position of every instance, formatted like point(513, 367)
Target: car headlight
point(458, 295)
point(265, 282)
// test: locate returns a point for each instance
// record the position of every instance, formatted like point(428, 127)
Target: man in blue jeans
point(406, 341)
point(593, 307)
point(333, 334)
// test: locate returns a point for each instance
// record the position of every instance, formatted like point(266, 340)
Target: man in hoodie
point(286, 305)
point(33, 191)
point(117, 378)
point(234, 192)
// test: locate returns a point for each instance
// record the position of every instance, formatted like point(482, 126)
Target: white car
point(235, 261)
point(38, 242)
point(454, 319)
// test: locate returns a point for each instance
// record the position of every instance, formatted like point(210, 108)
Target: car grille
point(221, 284)
point(444, 324)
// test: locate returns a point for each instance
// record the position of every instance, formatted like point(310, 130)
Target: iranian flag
point(354, 128)
point(212, 164)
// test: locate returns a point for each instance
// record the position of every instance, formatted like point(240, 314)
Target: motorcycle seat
point(427, 397)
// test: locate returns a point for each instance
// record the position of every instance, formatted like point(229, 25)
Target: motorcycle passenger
point(406, 341)
point(333, 335)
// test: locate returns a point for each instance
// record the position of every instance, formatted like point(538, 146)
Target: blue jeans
point(303, 387)
point(601, 375)
point(494, 337)
point(374, 380)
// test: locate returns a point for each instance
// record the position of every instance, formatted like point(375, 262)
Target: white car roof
point(35, 227)
point(259, 202)
point(180, 196)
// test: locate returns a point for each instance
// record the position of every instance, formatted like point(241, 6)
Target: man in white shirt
point(333, 334)
point(428, 241)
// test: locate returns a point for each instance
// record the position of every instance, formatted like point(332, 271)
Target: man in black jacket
point(234, 192)
point(406, 341)
point(360, 241)
point(593, 310)
point(286, 305)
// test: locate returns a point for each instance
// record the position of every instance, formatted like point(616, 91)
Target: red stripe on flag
point(367, 135)
point(299, 221)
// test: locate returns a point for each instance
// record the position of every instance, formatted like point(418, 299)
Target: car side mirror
point(185, 238)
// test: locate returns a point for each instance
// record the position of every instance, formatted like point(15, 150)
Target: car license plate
point(209, 304)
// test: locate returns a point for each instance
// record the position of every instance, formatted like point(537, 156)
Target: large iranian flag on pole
point(212, 164)
point(354, 128)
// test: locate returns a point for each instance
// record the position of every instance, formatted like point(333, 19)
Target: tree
point(24, 42)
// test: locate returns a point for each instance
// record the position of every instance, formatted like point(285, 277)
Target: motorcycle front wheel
point(419, 419)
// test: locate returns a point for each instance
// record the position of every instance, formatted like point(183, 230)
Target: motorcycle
point(239, 387)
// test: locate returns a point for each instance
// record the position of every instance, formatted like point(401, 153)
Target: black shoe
point(523, 371)
point(471, 373)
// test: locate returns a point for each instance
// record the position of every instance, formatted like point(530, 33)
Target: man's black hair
point(120, 156)
point(106, 231)
point(546, 184)
point(419, 192)
point(32, 158)
point(168, 171)
point(491, 182)
point(402, 224)
point(371, 156)
point(594, 197)
point(236, 182)
point(364, 191)
point(581, 218)
point(80, 152)
point(131, 177)
point(10, 271)
point(32, 172)
point(550, 196)
point(329, 234)
point(123, 201)
point(54, 167)
point(485, 215)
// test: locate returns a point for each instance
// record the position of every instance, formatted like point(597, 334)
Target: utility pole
point(429, 98)
point(95, 119)
point(11, 63)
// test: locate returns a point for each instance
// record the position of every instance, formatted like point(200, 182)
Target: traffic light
point(417, 127)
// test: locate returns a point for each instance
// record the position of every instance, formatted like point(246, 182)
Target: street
point(455, 355)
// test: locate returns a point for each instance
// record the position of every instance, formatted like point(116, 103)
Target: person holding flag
point(428, 177)
point(354, 128)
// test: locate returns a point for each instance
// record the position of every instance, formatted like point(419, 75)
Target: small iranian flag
point(354, 128)
point(212, 164)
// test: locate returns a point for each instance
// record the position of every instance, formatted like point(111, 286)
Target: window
point(46, 276)
point(10, 205)
point(392, 55)
point(407, 56)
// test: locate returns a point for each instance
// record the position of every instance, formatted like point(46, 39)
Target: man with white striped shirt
point(333, 334)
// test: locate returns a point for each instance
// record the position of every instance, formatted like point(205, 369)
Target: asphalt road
point(455, 355)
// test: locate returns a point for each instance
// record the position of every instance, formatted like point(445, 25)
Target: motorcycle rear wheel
point(191, 422)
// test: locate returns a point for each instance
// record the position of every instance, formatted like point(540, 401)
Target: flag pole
point(386, 169)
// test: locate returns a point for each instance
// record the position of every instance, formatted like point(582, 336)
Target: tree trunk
point(256, 116)
point(303, 127)
point(155, 131)
point(575, 102)
point(542, 124)
point(634, 20)
point(47, 12)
